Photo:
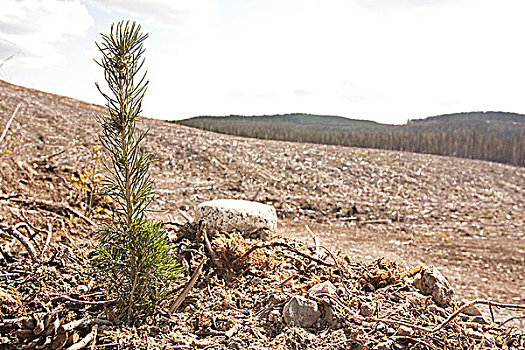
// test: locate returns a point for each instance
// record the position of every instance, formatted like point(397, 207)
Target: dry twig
point(388, 221)
point(207, 244)
point(426, 329)
point(341, 272)
point(48, 239)
point(316, 240)
point(85, 322)
point(22, 239)
point(186, 216)
point(9, 122)
point(57, 208)
point(94, 331)
point(500, 324)
point(187, 288)
point(472, 303)
point(84, 302)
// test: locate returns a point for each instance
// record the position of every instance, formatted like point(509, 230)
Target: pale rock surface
point(227, 215)
point(430, 281)
point(274, 316)
point(325, 287)
point(301, 312)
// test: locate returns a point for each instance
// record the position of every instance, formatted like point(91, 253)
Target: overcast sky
point(383, 60)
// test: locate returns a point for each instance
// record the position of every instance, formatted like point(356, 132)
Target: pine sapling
point(133, 253)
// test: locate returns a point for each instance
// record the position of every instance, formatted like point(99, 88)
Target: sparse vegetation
point(10, 142)
point(88, 180)
point(134, 253)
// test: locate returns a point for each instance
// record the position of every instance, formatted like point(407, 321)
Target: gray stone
point(328, 315)
point(473, 313)
point(470, 311)
point(367, 309)
point(227, 215)
point(301, 312)
point(480, 319)
point(431, 282)
point(414, 299)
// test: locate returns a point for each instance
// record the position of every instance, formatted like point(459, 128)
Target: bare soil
point(466, 217)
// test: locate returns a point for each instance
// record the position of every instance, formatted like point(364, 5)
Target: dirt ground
point(466, 217)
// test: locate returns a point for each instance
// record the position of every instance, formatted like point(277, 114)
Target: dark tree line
point(493, 136)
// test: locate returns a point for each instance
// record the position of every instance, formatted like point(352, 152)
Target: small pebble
point(274, 316)
point(405, 331)
point(367, 309)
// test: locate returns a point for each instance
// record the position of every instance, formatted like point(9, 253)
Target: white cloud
point(386, 60)
point(34, 27)
point(384, 6)
point(167, 13)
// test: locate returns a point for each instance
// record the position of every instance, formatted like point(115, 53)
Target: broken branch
point(472, 303)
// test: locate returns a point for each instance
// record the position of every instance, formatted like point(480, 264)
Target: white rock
point(301, 312)
point(430, 281)
point(226, 215)
point(325, 287)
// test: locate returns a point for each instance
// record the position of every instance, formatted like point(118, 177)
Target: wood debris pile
point(236, 301)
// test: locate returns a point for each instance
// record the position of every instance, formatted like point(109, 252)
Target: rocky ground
point(465, 217)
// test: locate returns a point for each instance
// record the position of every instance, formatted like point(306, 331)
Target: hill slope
point(467, 220)
point(493, 136)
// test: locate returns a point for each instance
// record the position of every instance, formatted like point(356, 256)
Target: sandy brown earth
point(466, 217)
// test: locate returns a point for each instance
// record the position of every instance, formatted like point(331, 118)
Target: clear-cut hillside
point(466, 217)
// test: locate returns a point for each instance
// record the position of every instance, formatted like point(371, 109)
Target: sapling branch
point(134, 253)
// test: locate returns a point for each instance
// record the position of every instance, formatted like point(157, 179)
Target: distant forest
point(493, 136)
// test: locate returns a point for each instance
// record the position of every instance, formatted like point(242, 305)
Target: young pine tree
point(134, 253)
